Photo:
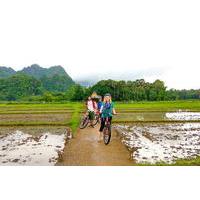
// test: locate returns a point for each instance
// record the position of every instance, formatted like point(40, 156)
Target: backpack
point(93, 104)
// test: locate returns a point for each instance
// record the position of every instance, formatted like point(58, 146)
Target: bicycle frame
point(107, 131)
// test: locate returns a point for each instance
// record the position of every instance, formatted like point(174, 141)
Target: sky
point(105, 39)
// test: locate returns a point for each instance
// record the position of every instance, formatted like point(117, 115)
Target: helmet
point(107, 95)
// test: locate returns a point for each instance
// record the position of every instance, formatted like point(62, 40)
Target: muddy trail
point(85, 150)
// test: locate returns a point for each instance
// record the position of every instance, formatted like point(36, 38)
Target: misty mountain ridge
point(34, 70)
point(6, 72)
point(38, 72)
point(53, 79)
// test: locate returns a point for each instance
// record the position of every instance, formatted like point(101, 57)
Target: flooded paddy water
point(32, 145)
point(158, 116)
point(147, 138)
point(163, 142)
point(152, 143)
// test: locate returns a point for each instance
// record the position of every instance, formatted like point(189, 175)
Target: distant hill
point(6, 72)
point(38, 72)
point(53, 79)
point(18, 86)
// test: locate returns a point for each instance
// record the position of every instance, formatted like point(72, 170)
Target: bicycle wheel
point(84, 122)
point(96, 120)
point(107, 134)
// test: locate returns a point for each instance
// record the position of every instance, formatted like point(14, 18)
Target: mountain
point(6, 72)
point(53, 79)
point(38, 72)
point(18, 86)
point(33, 80)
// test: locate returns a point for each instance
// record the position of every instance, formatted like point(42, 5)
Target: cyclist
point(107, 110)
point(91, 107)
point(99, 104)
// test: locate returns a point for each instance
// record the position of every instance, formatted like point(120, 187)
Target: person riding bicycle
point(107, 110)
point(91, 107)
point(99, 104)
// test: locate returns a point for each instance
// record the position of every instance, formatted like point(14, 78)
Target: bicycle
point(85, 120)
point(96, 118)
point(107, 131)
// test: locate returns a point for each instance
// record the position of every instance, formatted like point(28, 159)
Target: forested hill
point(40, 84)
point(33, 80)
point(39, 72)
point(6, 72)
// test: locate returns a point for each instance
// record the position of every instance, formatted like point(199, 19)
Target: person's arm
point(96, 106)
point(101, 109)
point(114, 111)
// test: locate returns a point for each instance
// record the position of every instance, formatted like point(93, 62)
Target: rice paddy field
point(156, 133)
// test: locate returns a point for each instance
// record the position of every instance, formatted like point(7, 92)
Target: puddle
point(152, 143)
point(183, 115)
point(158, 116)
point(19, 148)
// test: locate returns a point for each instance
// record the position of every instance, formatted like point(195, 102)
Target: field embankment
point(136, 114)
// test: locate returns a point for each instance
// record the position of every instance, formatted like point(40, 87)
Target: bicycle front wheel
point(84, 122)
point(96, 119)
point(106, 135)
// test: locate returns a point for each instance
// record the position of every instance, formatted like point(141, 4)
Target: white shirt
point(90, 105)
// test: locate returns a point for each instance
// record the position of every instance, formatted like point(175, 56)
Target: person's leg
point(110, 120)
point(101, 128)
point(92, 119)
point(102, 124)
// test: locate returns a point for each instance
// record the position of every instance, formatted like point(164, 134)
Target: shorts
point(91, 115)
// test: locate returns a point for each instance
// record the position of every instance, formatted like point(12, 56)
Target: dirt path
point(85, 150)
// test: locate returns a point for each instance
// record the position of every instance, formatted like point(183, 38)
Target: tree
point(75, 93)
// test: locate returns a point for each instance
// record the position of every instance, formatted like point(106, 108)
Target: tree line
point(140, 90)
point(26, 88)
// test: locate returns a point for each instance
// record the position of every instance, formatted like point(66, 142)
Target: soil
point(45, 117)
point(154, 143)
point(85, 150)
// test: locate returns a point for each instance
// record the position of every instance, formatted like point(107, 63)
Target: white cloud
point(104, 37)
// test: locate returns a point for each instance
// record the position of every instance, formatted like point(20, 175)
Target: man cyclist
point(107, 110)
point(99, 104)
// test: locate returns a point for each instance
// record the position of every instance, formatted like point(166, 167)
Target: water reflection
point(19, 148)
point(151, 143)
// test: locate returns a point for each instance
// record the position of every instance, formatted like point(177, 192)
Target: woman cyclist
point(91, 107)
point(107, 110)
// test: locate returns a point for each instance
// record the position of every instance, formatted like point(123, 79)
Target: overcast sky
point(105, 39)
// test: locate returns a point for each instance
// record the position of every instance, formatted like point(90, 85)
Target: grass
point(179, 162)
point(49, 106)
point(153, 121)
point(71, 108)
point(75, 119)
point(193, 105)
point(36, 112)
point(76, 108)
point(39, 123)
point(188, 162)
